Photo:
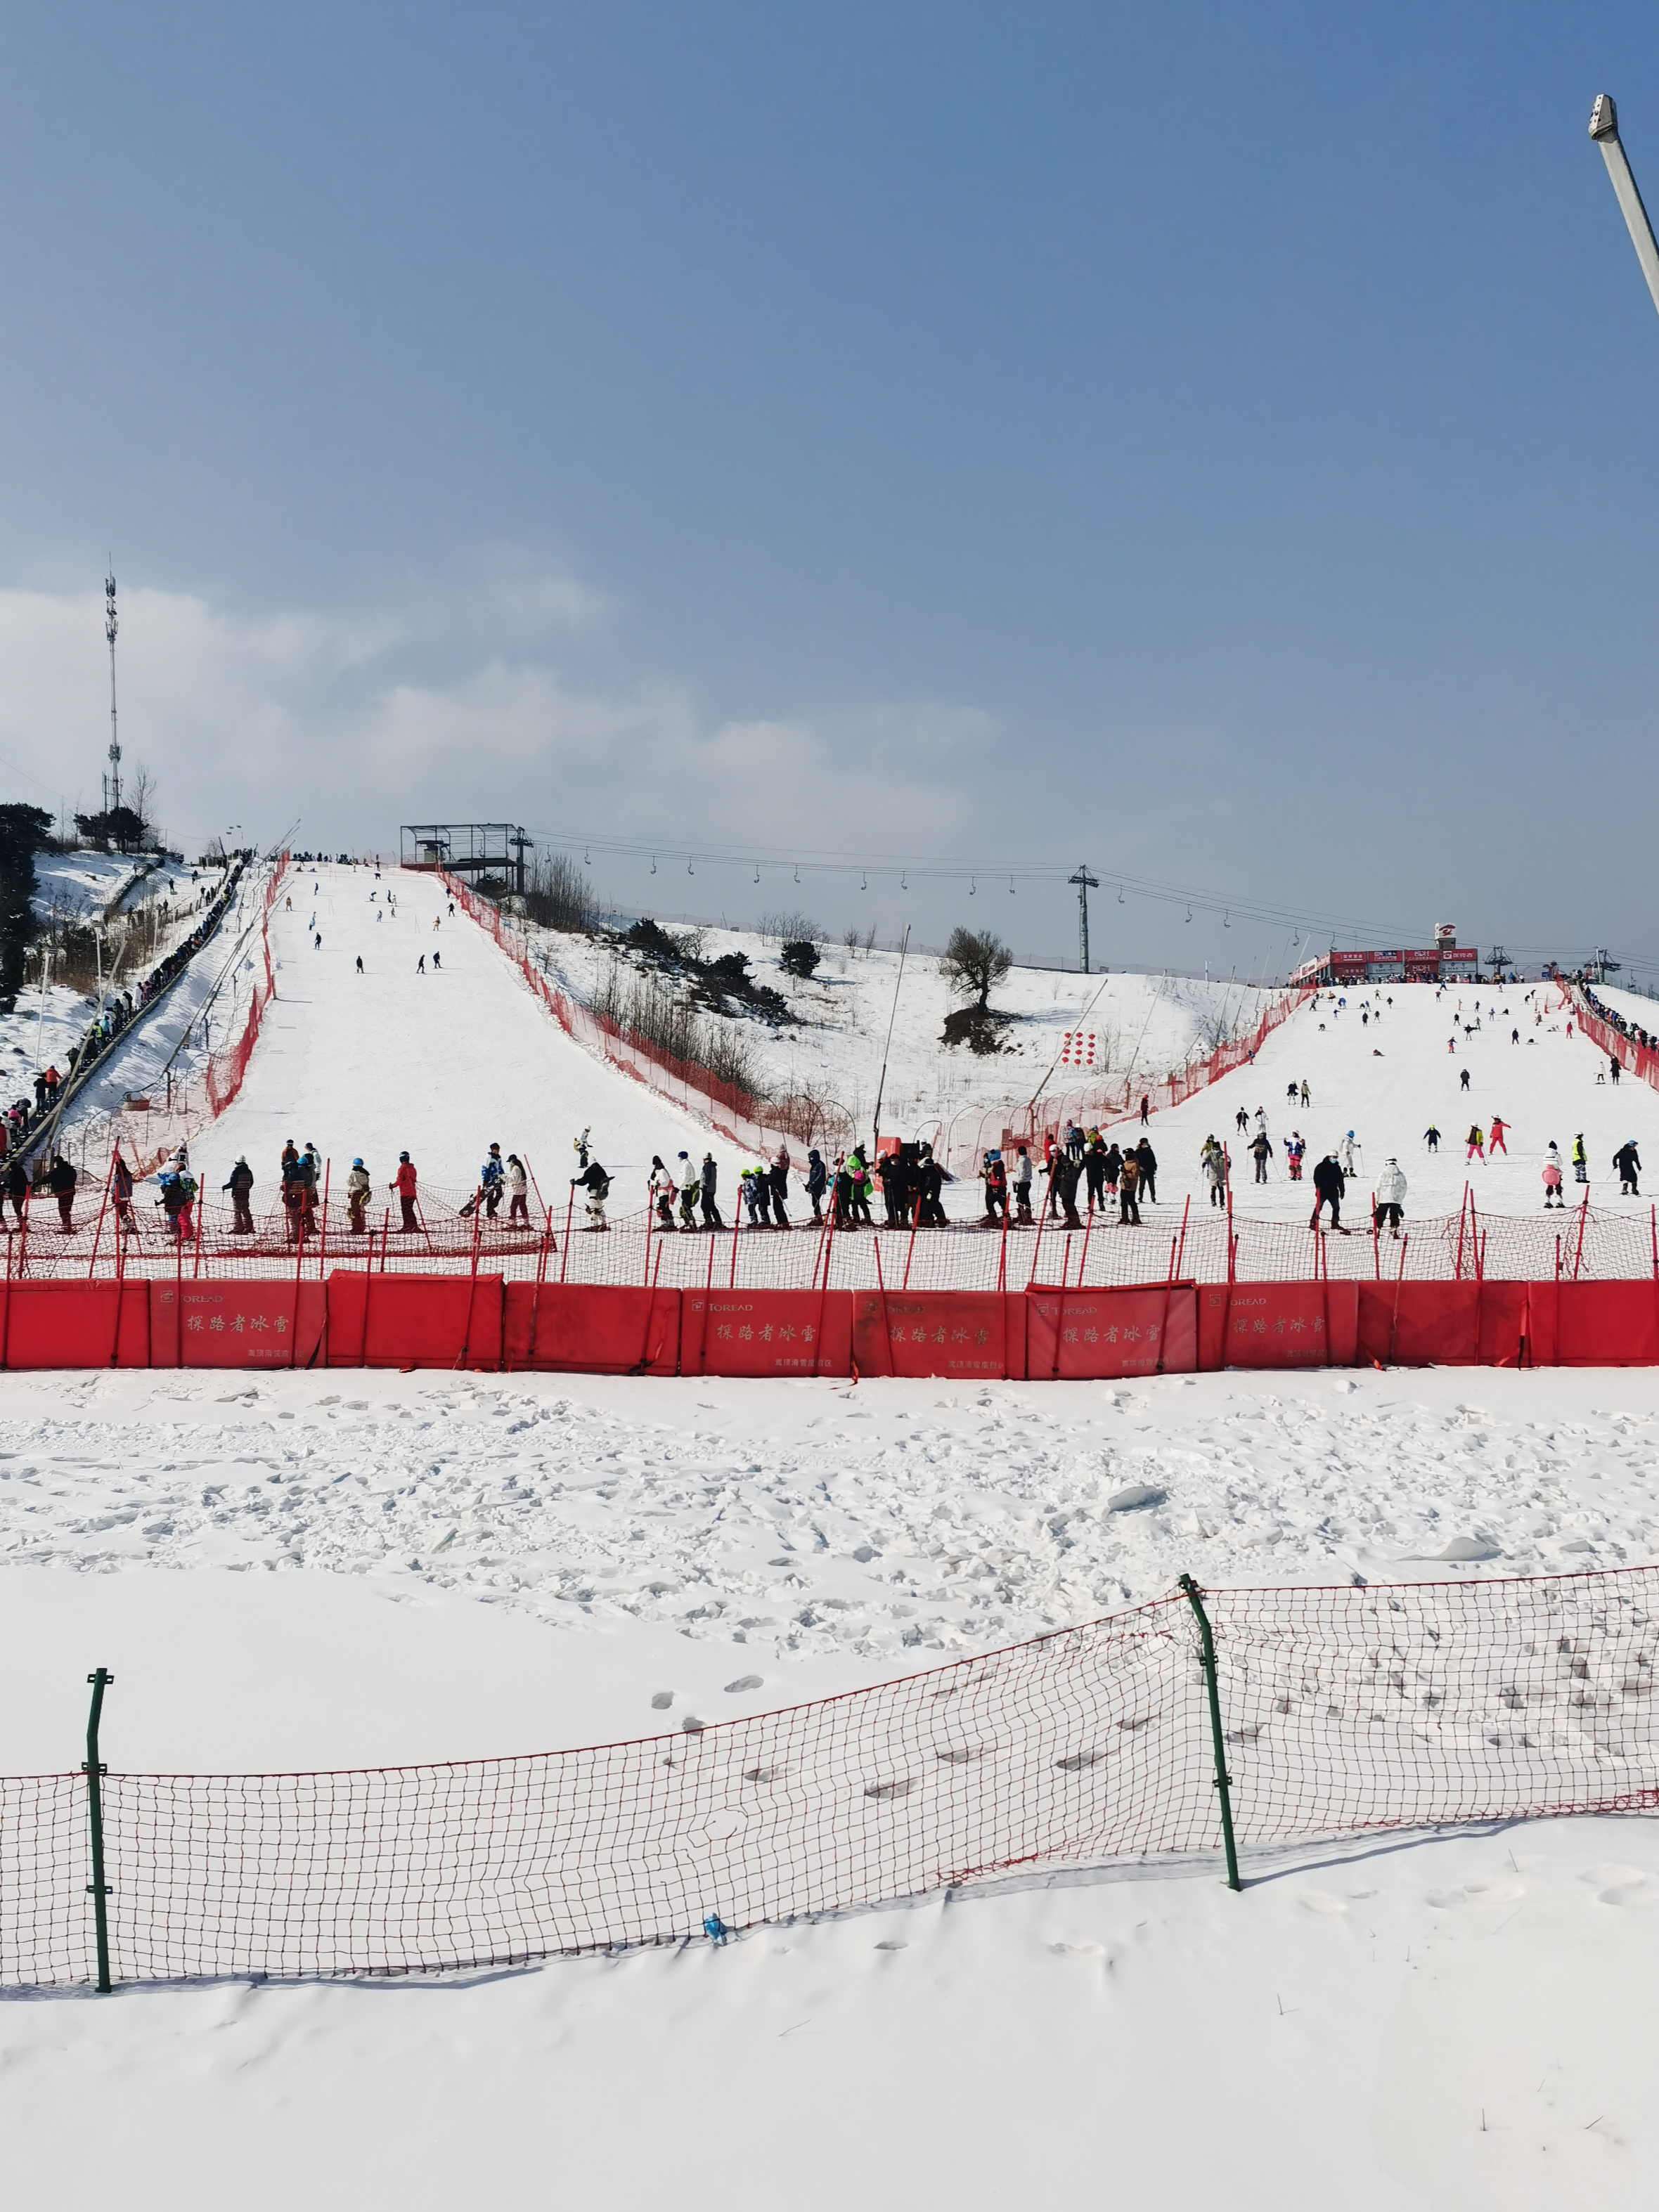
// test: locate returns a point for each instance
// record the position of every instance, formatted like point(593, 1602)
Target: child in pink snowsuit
point(1496, 1139)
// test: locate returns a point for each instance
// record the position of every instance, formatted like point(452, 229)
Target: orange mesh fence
point(1343, 1710)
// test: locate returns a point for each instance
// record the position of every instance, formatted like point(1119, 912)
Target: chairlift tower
point(1085, 882)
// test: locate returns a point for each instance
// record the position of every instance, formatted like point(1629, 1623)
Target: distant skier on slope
point(1580, 1159)
point(1495, 1138)
point(1431, 1138)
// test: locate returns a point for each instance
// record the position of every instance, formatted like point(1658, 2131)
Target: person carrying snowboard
point(597, 1183)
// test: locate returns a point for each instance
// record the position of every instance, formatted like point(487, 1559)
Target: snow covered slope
point(1138, 1024)
point(441, 1064)
point(1389, 1080)
point(289, 1571)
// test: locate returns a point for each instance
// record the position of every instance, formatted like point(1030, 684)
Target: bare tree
point(974, 964)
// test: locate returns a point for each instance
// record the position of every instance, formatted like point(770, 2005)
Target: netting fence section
point(1197, 1244)
point(1343, 1710)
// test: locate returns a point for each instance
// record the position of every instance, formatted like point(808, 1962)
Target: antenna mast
point(112, 782)
point(1604, 129)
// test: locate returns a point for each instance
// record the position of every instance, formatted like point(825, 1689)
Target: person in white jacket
point(517, 1184)
point(1390, 1197)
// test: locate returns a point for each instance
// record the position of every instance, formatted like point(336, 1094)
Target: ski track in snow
point(872, 1521)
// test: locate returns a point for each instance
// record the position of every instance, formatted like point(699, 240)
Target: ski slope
point(441, 1064)
point(1389, 1081)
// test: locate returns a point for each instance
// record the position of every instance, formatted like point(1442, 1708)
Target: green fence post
point(1222, 1779)
point(93, 1768)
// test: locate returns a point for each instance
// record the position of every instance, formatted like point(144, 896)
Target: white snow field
point(292, 1571)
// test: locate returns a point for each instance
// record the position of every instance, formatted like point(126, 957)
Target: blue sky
point(1219, 443)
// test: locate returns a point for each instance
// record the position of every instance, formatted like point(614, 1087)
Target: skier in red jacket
point(404, 1183)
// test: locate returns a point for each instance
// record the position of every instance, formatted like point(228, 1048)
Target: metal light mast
point(1604, 129)
point(114, 779)
point(1085, 882)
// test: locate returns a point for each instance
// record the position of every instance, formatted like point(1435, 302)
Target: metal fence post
point(94, 1770)
point(1223, 1781)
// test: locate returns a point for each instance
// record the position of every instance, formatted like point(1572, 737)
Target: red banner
point(235, 1324)
point(414, 1320)
point(1076, 1335)
point(74, 1325)
point(766, 1332)
point(593, 1329)
point(1278, 1324)
point(965, 1333)
point(1607, 1325)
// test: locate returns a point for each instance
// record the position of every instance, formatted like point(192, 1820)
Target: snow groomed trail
point(441, 1062)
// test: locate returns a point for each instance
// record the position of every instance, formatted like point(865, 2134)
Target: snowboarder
point(597, 1183)
point(1629, 1166)
point(660, 1189)
point(1128, 1182)
point(1554, 1194)
point(62, 1181)
point(690, 1189)
point(492, 1181)
point(517, 1203)
point(1391, 1196)
point(707, 1180)
point(358, 1188)
point(994, 1176)
point(1329, 1183)
point(241, 1183)
point(1213, 1162)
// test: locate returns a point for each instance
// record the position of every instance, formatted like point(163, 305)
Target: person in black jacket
point(241, 1183)
point(62, 1181)
point(17, 1186)
point(1329, 1183)
point(711, 1212)
point(817, 1182)
point(1629, 1166)
point(1148, 1160)
point(1065, 1178)
point(930, 1183)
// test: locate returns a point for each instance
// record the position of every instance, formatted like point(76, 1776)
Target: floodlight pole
point(1604, 129)
point(1085, 882)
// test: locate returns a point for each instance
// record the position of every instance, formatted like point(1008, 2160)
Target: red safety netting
point(1343, 1710)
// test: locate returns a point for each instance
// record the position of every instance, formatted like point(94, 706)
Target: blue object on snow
point(715, 1928)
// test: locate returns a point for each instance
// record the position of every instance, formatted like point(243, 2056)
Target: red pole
point(737, 1216)
point(650, 1201)
point(564, 1257)
point(1182, 1254)
point(98, 1232)
point(1578, 1250)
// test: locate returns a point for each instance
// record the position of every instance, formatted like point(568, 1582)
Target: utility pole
point(1604, 129)
point(1085, 882)
point(114, 779)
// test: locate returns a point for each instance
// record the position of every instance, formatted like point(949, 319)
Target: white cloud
point(323, 716)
